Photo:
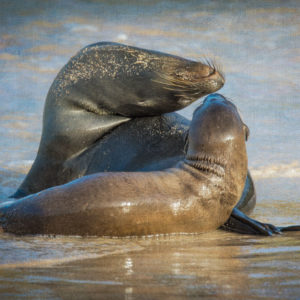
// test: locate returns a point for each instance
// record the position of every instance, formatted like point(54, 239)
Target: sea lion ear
point(247, 132)
point(186, 142)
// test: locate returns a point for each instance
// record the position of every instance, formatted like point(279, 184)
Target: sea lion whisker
point(214, 64)
point(182, 86)
point(209, 62)
point(219, 68)
point(232, 102)
point(168, 80)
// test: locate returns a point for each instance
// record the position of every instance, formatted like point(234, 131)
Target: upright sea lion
point(196, 195)
point(101, 87)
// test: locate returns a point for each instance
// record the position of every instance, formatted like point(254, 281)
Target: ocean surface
point(258, 45)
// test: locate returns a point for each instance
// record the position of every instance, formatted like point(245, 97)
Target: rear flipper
point(239, 222)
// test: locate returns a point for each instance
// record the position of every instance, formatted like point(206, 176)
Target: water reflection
point(128, 265)
point(176, 266)
point(219, 265)
point(129, 293)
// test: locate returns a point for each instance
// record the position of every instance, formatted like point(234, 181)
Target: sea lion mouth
point(206, 163)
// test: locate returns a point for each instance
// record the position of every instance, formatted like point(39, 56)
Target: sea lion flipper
point(290, 228)
point(241, 223)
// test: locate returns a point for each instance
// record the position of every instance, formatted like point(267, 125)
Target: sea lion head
point(170, 83)
point(216, 140)
point(132, 81)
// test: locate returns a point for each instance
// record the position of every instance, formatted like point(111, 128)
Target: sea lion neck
point(207, 163)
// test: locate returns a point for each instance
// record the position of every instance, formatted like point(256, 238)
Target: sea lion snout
point(215, 75)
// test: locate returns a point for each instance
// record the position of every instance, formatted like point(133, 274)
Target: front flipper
point(240, 223)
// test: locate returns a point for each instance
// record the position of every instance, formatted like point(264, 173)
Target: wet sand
point(258, 46)
point(215, 265)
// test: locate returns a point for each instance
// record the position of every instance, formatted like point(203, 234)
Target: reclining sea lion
point(196, 195)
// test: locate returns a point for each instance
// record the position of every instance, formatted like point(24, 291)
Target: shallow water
point(215, 265)
point(258, 46)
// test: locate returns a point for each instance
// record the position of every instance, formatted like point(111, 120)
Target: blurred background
point(257, 43)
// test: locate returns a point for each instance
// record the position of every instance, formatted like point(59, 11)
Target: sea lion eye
point(247, 132)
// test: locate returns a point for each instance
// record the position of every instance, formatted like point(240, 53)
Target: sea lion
point(196, 195)
point(103, 86)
